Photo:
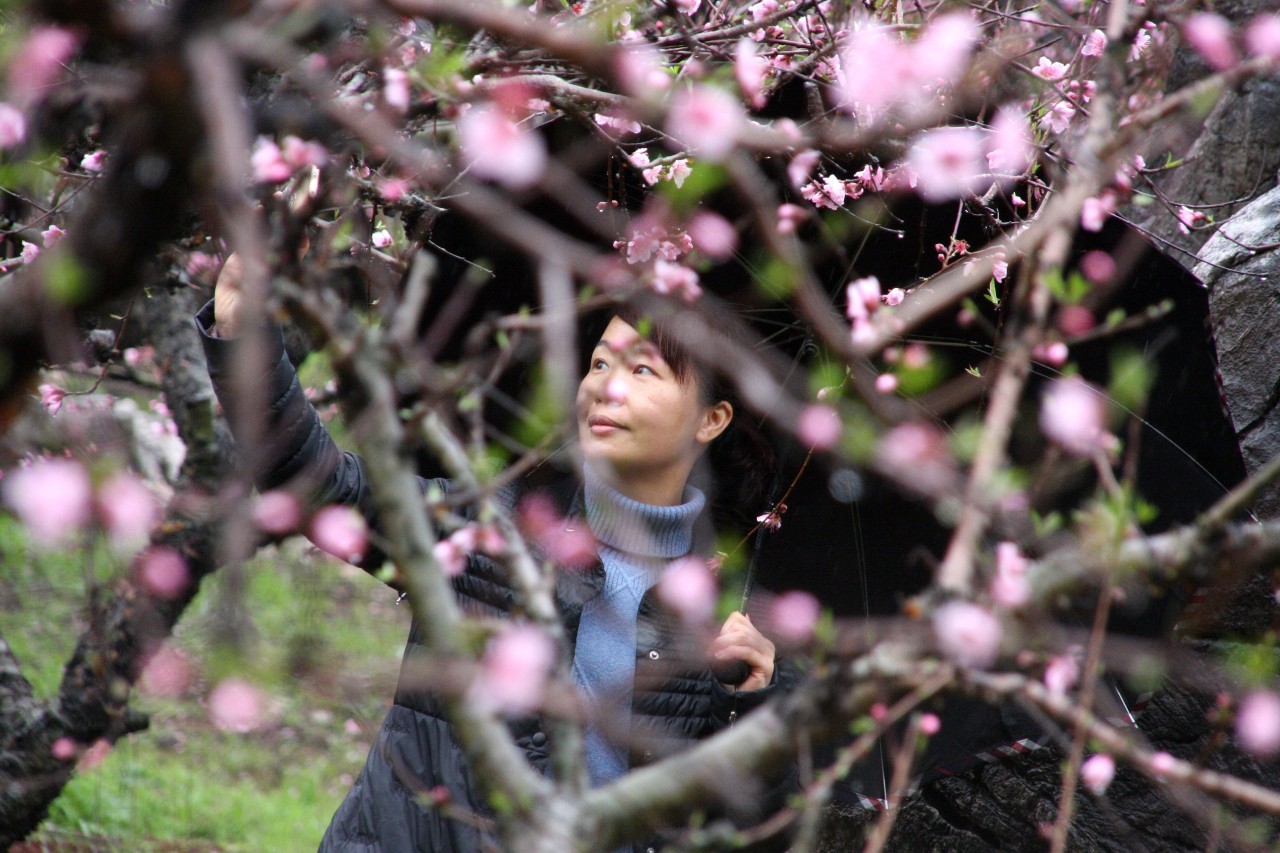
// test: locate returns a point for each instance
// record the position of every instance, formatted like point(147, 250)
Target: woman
point(646, 414)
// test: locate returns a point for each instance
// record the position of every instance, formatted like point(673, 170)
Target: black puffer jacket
point(675, 699)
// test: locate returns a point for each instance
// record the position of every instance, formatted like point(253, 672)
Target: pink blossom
point(1047, 69)
point(393, 189)
point(712, 235)
point(894, 297)
point(1010, 586)
point(949, 163)
point(40, 61)
point(495, 147)
point(819, 427)
point(1058, 119)
point(64, 749)
point(763, 9)
point(615, 391)
point(999, 267)
point(128, 509)
point(917, 453)
point(802, 166)
point(688, 6)
point(30, 251)
point(51, 397)
point(967, 634)
point(513, 673)
point(1258, 724)
point(617, 126)
point(1009, 147)
point(1073, 415)
point(235, 705)
point(1210, 35)
point(789, 217)
point(1163, 764)
point(877, 71)
point(269, 165)
point(451, 557)
point(706, 120)
point(793, 616)
point(167, 672)
point(1062, 672)
point(862, 296)
point(942, 51)
point(1097, 266)
point(300, 153)
point(13, 126)
point(53, 498)
point(1262, 38)
point(930, 725)
point(1141, 41)
point(1074, 320)
point(678, 171)
point(1095, 210)
point(381, 238)
point(640, 70)
point(1053, 353)
point(1097, 771)
point(672, 278)
point(94, 755)
point(340, 531)
point(689, 588)
point(772, 520)
point(52, 235)
point(1187, 218)
point(163, 573)
point(94, 161)
point(887, 383)
point(1094, 44)
point(395, 89)
point(566, 541)
point(829, 192)
point(277, 513)
point(750, 70)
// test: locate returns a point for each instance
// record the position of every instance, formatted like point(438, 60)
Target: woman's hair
point(741, 458)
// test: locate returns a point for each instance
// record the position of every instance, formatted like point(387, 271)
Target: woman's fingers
point(739, 640)
point(226, 297)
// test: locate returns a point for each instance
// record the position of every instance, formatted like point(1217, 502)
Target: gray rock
point(1241, 267)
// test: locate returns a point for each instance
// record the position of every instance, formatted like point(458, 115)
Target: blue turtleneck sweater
point(636, 542)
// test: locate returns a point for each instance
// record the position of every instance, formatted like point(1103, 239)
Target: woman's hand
point(739, 640)
point(227, 300)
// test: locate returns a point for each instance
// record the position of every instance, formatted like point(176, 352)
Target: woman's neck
point(665, 488)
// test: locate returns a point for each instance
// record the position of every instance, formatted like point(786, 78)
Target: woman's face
point(637, 422)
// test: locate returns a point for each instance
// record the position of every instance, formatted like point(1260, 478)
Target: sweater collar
point(639, 528)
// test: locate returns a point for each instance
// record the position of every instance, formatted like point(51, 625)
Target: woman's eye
point(645, 369)
point(599, 364)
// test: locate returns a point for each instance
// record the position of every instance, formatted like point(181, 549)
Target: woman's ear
point(715, 420)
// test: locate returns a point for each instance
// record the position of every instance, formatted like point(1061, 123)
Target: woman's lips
point(600, 425)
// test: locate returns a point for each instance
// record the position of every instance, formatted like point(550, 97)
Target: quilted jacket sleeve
point(295, 450)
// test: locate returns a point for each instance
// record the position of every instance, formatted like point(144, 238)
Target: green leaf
point(1130, 379)
point(66, 280)
point(993, 295)
point(974, 371)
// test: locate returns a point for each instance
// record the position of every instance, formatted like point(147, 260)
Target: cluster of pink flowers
point(676, 172)
point(451, 552)
point(496, 142)
point(880, 72)
point(273, 163)
point(55, 499)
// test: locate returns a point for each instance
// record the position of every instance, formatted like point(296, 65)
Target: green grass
point(321, 640)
